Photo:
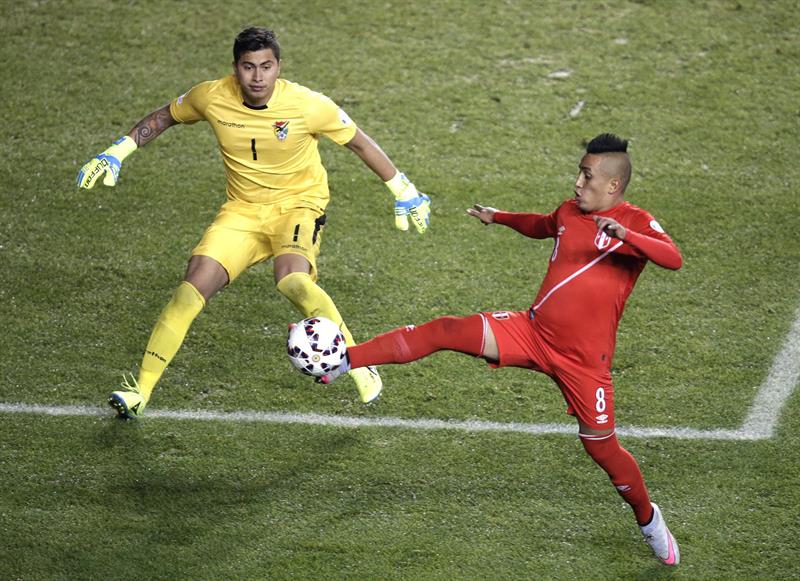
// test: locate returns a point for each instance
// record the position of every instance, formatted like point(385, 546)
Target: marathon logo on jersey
point(602, 240)
point(602, 419)
point(281, 130)
point(501, 316)
point(231, 124)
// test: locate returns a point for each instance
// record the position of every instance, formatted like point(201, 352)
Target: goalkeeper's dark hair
point(253, 39)
point(607, 143)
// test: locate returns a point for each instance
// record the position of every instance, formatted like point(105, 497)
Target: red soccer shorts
point(588, 392)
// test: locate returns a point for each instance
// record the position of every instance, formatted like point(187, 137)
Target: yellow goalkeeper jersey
point(270, 153)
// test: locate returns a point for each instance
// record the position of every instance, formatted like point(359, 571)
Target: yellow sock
point(312, 301)
point(168, 335)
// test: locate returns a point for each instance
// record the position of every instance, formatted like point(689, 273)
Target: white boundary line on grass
point(759, 424)
point(762, 419)
point(386, 422)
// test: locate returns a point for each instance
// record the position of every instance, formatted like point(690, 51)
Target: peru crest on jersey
point(602, 240)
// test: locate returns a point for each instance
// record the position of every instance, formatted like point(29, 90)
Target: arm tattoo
point(152, 126)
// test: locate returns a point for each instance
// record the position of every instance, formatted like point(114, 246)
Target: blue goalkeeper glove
point(108, 162)
point(409, 203)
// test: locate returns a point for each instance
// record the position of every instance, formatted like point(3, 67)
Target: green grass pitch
point(463, 98)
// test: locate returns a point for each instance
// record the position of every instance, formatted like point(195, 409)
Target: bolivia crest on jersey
point(281, 130)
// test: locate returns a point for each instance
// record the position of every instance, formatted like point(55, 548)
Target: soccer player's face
point(257, 72)
point(594, 188)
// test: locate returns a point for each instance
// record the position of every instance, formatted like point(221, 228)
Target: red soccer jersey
point(590, 275)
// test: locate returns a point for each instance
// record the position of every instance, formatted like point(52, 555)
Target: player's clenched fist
point(409, 203)
point(108, 163)
point(610, 226)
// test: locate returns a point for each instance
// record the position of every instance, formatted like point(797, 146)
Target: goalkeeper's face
point(257, 72)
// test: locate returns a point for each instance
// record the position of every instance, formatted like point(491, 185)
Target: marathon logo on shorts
point(602, 419)
point(281, 130)
point(602, 240)
point(501, 316)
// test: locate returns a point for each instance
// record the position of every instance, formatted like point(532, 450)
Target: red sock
point(464, 334)
point(623, 470)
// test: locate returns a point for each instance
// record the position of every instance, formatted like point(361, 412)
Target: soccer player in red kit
point(602, 244)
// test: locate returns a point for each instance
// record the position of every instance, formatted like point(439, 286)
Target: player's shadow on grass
point(184, 485)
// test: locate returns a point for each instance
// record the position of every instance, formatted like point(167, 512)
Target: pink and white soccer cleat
point(657, 535)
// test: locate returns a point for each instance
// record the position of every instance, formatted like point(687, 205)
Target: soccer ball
point(316, 346)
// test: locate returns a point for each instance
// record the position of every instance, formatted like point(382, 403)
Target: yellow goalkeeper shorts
point(244, 234)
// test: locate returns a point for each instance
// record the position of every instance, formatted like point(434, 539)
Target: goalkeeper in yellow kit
point(277, 190)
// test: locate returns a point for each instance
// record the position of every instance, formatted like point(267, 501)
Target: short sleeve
point(327, 118)
point(190, 107)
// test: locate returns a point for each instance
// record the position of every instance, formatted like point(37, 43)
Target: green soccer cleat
point(127, 402)
point(368, 382)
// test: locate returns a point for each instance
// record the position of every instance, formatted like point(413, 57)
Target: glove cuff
point(401, 187)
point(122, 148)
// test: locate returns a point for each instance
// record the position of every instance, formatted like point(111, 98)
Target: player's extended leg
point(471, 335)
point(295, 283)
point(625, 475)
point(204, 278)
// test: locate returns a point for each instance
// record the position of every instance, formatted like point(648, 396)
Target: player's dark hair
point(253, 39)
point(607, 143)
point(612, 146)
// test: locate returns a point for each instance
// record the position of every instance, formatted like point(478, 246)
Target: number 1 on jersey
point(253, 149)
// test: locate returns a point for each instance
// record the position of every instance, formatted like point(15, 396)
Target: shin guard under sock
point(312, 301)
point(623, 471)
point(168, 335)
point(463, 334)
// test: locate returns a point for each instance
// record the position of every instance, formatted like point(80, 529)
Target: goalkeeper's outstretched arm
point(409, 203)
point(110, 161)
point(372, 155)
point(152, 126)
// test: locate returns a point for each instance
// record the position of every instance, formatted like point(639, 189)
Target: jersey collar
point(610, 211)
point(275, 92)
